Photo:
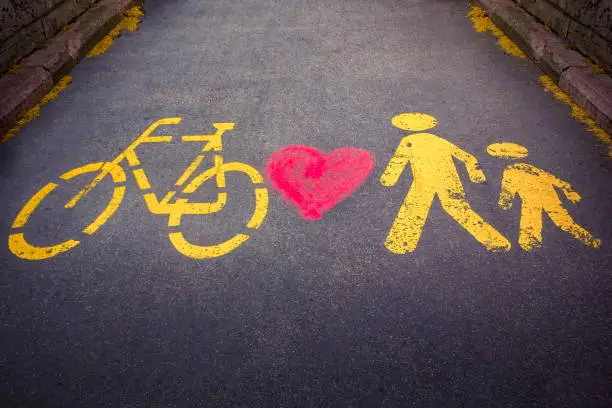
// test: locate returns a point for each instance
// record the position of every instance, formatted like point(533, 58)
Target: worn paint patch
point(315, 181)
point(482, 23)
point(130, 21)
point(577, 112)
point(34, 111)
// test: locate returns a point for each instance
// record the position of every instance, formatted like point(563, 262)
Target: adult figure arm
point(471, 164)
point(397, 163)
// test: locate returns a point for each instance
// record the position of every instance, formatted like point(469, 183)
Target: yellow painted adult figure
point(536, 188)
point(435, 174)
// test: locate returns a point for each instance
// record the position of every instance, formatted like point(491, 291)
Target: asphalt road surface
point(318, 313)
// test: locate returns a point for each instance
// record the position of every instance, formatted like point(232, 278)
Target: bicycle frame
point(213, 142)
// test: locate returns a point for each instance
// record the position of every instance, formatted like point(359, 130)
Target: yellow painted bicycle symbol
point(174, 209)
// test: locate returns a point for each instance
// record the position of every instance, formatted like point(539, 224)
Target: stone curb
point(592, 92)
point(40, 70)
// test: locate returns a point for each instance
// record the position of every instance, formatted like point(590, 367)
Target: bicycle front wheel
point(17, 242)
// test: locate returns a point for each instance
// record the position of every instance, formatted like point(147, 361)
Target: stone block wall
point(586, 24)
point(26, 24)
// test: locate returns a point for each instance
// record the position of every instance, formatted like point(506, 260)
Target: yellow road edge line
point(482, 23)
point(130, 21)
point(576, 111)
point(34, 111)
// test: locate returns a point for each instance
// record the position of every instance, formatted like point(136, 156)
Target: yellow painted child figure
point(537, 190)
point(434, 174)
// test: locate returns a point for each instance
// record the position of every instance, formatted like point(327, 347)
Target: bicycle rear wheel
point(220, 249)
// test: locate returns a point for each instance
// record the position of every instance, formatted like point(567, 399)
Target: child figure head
point(507, 150)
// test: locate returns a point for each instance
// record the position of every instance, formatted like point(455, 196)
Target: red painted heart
point(315, 181)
